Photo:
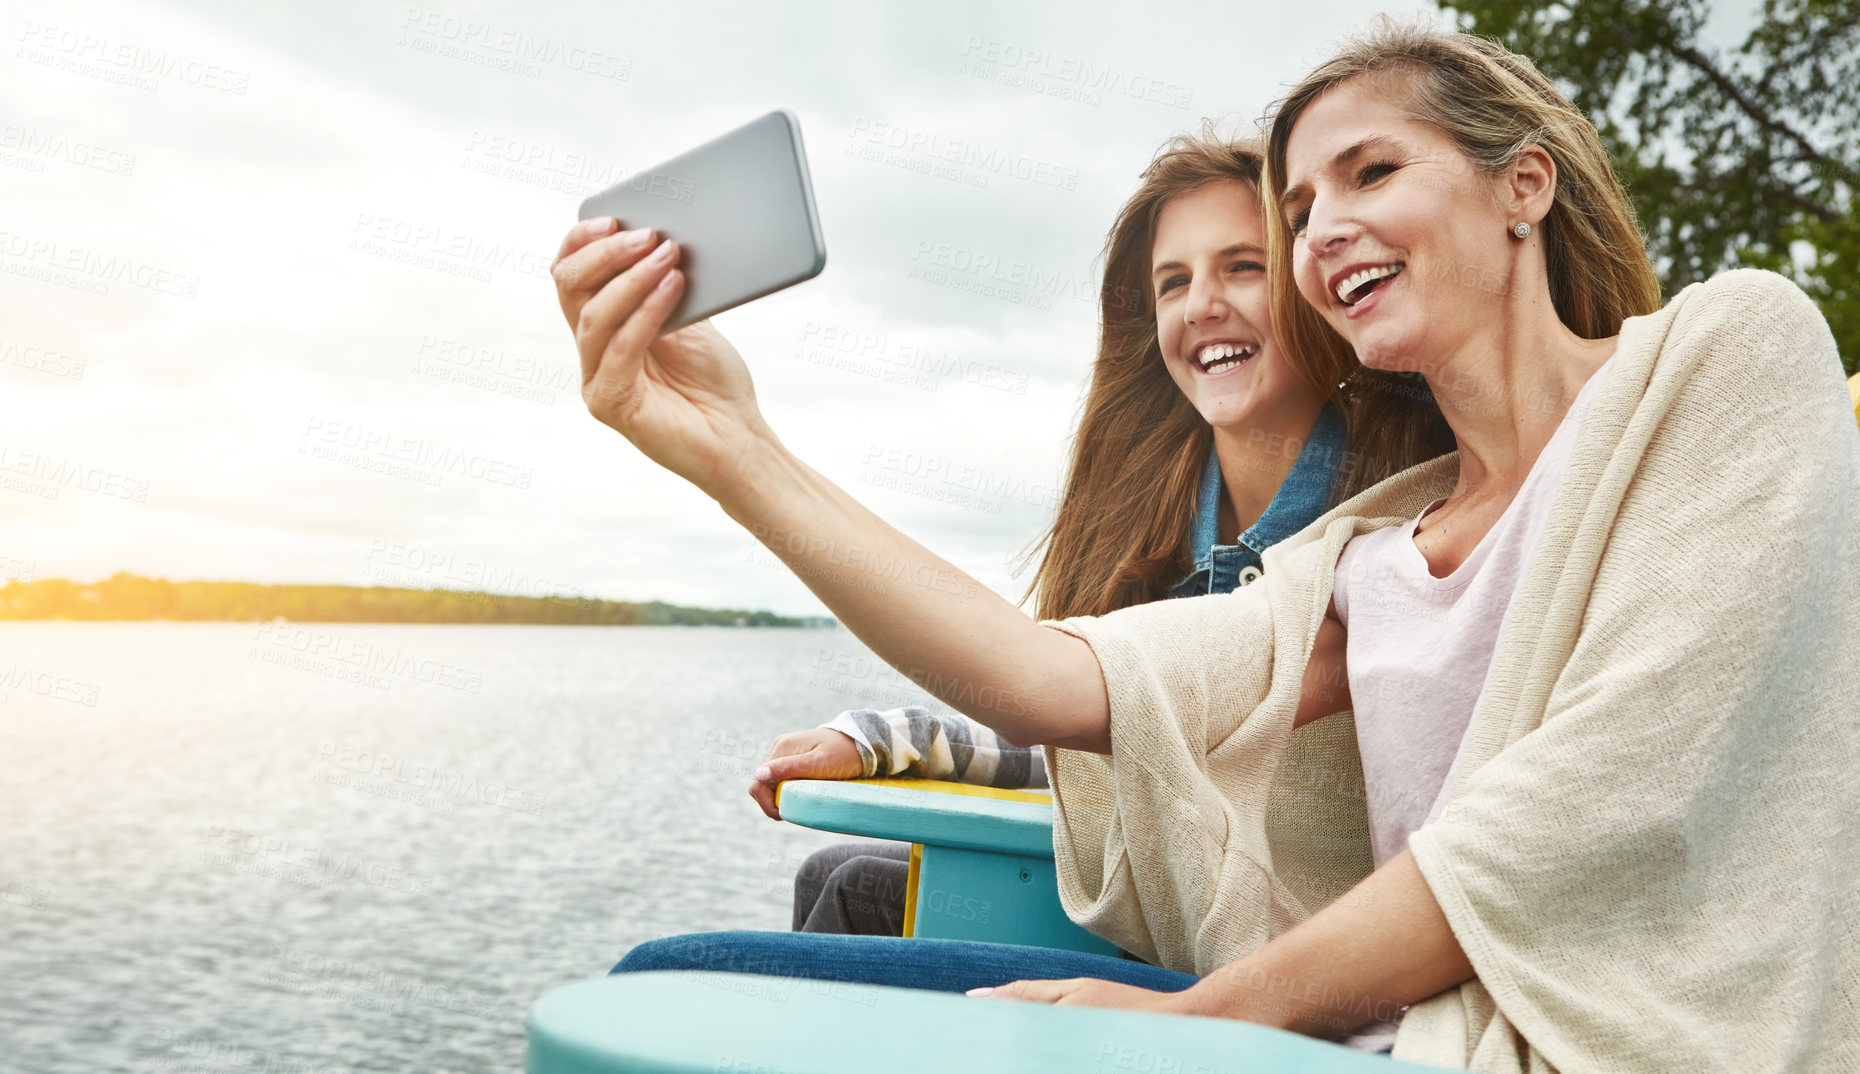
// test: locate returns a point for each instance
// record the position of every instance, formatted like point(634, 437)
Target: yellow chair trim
point(910, 890)
point(945, 787)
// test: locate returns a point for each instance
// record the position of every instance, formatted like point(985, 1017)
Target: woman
point(1200, 446)
point(1629, 862)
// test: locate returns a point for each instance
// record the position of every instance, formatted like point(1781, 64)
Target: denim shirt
point(1221, 568)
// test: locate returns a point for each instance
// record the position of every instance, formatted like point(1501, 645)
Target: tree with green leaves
point(1734, 156)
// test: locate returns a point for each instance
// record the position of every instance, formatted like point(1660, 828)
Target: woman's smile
point(1368, 296)
point(1353, 284)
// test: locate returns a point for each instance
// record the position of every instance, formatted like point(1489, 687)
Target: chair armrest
point(923, 811)
point(982, 865)
point(679, 1022)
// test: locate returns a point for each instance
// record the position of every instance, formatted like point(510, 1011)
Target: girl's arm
point(686, 401)
point(913, 741)
point(910, 741)
point(1326, 686)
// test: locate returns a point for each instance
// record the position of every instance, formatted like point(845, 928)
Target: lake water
point(342, 847)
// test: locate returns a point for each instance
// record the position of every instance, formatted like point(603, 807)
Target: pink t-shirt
point(1419, 649)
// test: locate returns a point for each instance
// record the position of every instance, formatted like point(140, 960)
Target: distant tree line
point(129, 597)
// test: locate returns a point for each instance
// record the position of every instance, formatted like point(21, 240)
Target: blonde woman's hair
point(1492, 103)
point(1123, 531)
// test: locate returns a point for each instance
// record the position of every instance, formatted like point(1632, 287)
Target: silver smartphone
point(741, 209)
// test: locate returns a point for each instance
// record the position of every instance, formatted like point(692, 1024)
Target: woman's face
point(1208, 280)
point(1399, 239)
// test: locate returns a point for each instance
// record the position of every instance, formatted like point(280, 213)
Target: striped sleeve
point(913, 741)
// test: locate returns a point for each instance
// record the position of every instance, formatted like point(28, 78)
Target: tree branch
point(1830, 30)
point(1813, 208)
point(1697, 60)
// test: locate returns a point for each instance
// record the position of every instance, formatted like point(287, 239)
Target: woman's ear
point(1529, 187)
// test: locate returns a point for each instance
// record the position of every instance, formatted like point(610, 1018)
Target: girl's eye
point(1248, 266)
point(1171, 284)
point(1299, 220)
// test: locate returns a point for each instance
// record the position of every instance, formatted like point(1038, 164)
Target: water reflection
point(374, 851)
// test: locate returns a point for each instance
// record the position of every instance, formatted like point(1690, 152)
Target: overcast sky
point(252, 255)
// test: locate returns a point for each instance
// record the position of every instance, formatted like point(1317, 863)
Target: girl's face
point(1398, 239)
point(1208, 280)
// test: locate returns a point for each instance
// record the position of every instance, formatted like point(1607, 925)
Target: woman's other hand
point(820, 753)
point(1087, 992)
point(685, 398)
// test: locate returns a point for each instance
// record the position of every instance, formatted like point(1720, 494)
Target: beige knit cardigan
point(1649, 853)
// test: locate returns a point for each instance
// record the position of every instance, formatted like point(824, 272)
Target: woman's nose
point(1325, 230)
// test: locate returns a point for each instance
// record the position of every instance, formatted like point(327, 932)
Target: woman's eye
point(1299, 220)
point(1171, 284)
point(1248, 266)
point(1373, 172)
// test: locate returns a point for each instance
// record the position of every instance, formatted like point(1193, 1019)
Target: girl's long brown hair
point(1123, 531)
point(1492, 103)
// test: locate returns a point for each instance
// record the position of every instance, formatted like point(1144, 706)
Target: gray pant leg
point(861, 893)
point(811, 879)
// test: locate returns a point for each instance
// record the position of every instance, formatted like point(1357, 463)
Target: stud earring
point(1521, 230)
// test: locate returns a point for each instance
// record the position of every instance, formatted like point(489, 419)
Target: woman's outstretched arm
point(686, 401)
point(952, 636)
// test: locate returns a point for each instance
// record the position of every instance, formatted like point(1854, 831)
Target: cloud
point(305, 379)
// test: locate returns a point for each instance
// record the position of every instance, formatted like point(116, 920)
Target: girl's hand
point(684, 399)
point(1087, 992)
point(820, 753)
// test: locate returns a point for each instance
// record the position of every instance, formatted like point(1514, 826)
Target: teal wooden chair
point(725, 1023)
point(981, 858)
point(981, 869)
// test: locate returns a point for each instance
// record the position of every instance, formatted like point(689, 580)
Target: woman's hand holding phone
point(684, 399)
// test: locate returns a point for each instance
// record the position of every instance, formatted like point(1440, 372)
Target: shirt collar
point(1299, 501)
point(1207, 511)
point(1306, 491)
